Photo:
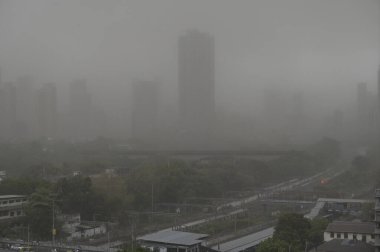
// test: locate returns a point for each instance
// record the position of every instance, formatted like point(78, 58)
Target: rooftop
point(173, 237)
point(332, 200)
point(11, 196)
point(245, 242)
point(338, 245)
point(351, 227)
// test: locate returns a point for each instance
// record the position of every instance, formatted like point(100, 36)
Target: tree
point(77, 196)
point(318, 226)
point(294, 229)
point(273, 245)
point(39, 213)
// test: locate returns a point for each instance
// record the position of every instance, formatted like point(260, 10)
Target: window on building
point(345, 235)
point(18, 200)
point(338, 235)
point(18, 212)
point(11, 201)
point(332, 235)
point(12, 213)
point(372, 236)
point(364, 237)
point(354, 236)
point(5, 202)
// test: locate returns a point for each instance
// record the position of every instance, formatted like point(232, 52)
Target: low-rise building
point(87, 230)
point(12, 206)
point(338, 245)
point(357, 231)
point(173, 241)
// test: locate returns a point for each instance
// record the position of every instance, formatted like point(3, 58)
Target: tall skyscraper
point(47, 110)
point(145, 110)
point(378, 105)
point(363, 107)
point(196, 80)
point(378, 90)
point(25, 107)
point(80, 110)
point(8, 110)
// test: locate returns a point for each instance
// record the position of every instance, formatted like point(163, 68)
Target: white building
point(360, 231)
point(12, 206)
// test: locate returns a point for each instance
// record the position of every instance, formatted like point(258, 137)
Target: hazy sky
point(319, 45)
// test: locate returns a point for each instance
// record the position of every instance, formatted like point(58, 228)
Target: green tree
point(76, 195)
point(315, 235)
point(273, 245)
point(39, 213)
point(294, 229)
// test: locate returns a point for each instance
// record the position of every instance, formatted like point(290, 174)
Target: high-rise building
point(363, 113)
point(8, 110)
point(47, 110)
point(145, 110)
point(196, 80)
point(377, 110)
point(25, 107)
point(80, 110)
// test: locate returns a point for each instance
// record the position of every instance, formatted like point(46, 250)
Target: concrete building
point(145, 110)
point(47, 110)
point(12, 206)
point(356, 231)
point(196, 80)
point(77, 229)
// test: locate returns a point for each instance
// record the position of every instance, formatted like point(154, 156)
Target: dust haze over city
point(220, 101)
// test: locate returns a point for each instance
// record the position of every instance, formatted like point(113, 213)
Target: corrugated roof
point(332, 200)
point(338, 245)
point(245, 242)
point(11, 196)
point(351, 227)
point(173, 237)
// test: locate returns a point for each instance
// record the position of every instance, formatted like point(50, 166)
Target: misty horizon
point(298, 54)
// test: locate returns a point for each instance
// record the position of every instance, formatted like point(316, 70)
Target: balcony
point(377, 192)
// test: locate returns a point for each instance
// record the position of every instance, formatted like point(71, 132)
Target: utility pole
point(108, 237)
point(53, 231)
point(152, 198)
point(133, 229)
point(28, 237)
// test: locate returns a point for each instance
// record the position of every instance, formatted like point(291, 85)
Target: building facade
point(145, 110)
point(12, 206)
point(47, 110)
point(356, 231)
point(196, 80)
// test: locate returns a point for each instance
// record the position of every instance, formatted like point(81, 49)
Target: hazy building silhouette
point(47, 110)
point(363, 113)
point(145, 110)
point(8, 110)
point(196, 79)
point(25, 107)
point(1, 79)
point(80, 110)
